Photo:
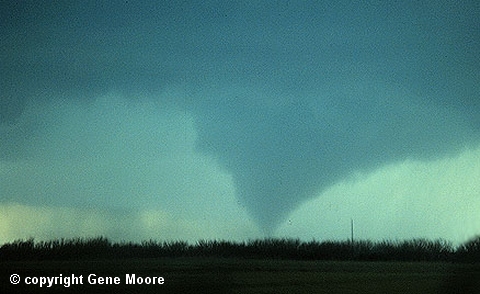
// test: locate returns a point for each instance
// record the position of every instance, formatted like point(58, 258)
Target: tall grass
point(270, 248)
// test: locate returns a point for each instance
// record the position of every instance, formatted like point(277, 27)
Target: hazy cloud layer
point(125, 105)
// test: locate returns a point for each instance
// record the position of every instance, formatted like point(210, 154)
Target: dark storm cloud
point(289, 96)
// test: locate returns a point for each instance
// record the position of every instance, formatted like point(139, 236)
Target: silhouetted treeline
point(102, 248)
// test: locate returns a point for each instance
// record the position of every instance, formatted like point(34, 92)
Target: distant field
point(216, 275)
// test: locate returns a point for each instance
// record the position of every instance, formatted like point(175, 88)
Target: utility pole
point(351, 229)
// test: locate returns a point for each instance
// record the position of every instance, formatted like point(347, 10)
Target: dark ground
point(217, 275)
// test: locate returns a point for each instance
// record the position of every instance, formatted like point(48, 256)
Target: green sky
point(237, 120)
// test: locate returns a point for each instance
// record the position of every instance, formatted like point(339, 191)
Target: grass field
point(216, 275)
